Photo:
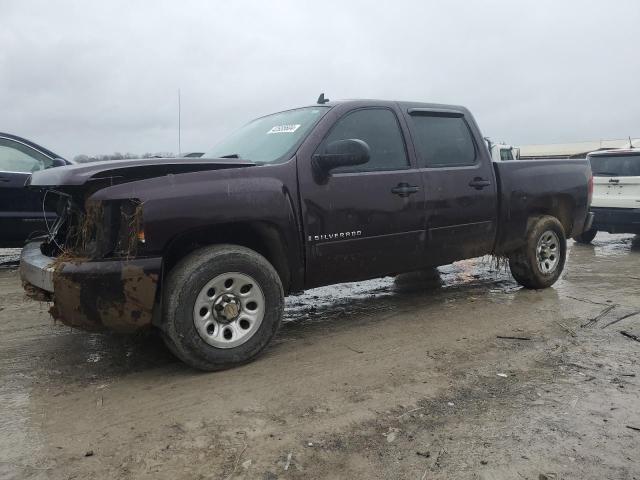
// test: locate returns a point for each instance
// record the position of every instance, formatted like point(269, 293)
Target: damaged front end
point(92, 263)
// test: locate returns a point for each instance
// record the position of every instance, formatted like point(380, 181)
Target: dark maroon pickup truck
point(206, 249)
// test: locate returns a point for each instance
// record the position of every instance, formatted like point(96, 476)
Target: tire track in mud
point(522, 426)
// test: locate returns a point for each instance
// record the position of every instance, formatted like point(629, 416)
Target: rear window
point(615, 165)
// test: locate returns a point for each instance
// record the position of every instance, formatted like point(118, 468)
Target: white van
point(616, 192)
point(502, 151)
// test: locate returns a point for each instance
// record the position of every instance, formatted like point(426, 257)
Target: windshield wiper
point(606, 174)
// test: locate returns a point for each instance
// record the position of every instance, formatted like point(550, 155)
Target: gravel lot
point(363, 382)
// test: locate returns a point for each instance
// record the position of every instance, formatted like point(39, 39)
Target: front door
point(460, 189)
point(367, 220)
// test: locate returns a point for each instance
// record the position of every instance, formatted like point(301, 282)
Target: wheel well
point(260, 237)
point(560, 207)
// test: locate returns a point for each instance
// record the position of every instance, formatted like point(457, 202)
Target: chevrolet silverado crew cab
point(616, 192)
point(205, 249)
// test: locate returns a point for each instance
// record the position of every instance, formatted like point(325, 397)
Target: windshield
point(615, 165)
point(269, 139)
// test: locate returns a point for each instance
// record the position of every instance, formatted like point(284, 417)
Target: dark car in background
point(21, 210)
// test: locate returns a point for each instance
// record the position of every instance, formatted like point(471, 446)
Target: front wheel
point(586, 237)
point(222, 306)
point(539, 263)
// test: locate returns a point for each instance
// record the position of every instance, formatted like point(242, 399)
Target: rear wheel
point(539, 263)
point(222, 306)
point(586, 237)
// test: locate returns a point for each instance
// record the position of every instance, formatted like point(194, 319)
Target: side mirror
point(341, 153)
point(58, 162)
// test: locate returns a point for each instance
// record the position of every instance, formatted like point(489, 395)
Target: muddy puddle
point(463, 278)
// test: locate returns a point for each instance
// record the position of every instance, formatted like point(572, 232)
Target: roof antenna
point(322, 100)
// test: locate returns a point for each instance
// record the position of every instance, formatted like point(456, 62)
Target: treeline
point(120, 156)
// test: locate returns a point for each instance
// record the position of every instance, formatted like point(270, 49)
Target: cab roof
point(360, 102)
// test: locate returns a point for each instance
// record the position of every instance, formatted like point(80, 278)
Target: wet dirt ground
point(363, 382)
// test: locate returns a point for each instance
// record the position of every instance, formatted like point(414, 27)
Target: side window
point(505, 154)
point(379, 128)
point(443, 141)
point(16, 157)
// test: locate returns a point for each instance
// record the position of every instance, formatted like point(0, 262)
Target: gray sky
point(98, 77)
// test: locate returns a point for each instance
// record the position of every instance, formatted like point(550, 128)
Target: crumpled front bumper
point(36, 269)
point(92, 295)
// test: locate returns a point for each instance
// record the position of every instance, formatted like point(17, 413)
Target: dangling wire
point(46, 223)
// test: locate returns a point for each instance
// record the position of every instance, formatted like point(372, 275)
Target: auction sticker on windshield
point(284, 128)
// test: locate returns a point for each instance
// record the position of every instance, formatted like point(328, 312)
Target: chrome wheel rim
point(228, 310)
point(548, 252)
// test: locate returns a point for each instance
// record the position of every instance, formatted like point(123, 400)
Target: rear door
point(460, 187)
point(21, 211)
point(616, 180)
point(367, 220)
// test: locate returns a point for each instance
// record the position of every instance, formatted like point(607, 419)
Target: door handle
point(5, 179)
point(404, 189)
point(479, 183)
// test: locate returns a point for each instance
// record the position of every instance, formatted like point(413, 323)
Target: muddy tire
point(586, 237)
point(222, 305)
point(539, 263)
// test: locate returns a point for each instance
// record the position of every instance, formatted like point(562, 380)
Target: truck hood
point(114, 172)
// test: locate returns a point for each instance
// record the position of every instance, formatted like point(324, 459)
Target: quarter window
point(443, 141)
point(379, 128)
point(16, 157)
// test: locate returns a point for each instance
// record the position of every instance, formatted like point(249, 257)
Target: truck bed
point(542, 186)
